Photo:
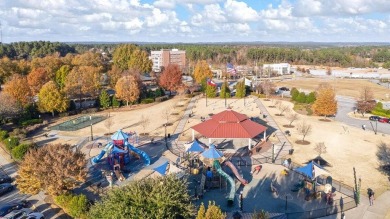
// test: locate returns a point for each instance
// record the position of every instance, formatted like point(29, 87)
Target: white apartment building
point(280, 68)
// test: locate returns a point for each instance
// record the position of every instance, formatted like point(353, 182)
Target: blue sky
point(196, 20)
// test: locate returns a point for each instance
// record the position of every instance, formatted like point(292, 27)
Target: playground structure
point(214, 157)
point(118, 153)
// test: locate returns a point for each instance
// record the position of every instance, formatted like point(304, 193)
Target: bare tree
point(383, 155)
point(277, 103)
point(283, 108)
point(291, 117)
point(320, 148)
point(9, 107)
point(166, 114)
point(144, 121)
point(366, 101)
point(304, 129)
point(108, 124)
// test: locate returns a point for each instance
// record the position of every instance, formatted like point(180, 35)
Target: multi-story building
point(280, 68)
point(165, 57)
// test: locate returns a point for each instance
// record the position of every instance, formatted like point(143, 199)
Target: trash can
point(264, 116)
point(291, 151)
point(169, 135)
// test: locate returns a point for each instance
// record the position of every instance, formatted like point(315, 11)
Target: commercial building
point(280, 68)
point(165, 57)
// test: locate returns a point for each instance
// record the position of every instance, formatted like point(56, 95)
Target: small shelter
point(194, 147)
point(229, 124)
point(312, 170)
point(319, 160)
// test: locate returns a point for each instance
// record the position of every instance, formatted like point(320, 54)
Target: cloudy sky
point(196, 20)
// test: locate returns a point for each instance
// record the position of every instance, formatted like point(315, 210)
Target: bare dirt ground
point(345, 87)
point(345, 150)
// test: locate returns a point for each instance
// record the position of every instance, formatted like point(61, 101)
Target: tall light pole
point(90, 119)
point(225, 90)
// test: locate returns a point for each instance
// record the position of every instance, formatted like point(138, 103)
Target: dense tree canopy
point(54, 168)
point(37, 78)
point(9, 107)
point(19, 89)
point(171, 78)
point(164, 197)
point(51, 99)
point(129, 56)
point(84, 80)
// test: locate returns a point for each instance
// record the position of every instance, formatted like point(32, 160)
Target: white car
point(24, 213)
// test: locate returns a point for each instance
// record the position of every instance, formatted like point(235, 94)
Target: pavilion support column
point(265, 133)
point(249, 143)
point(193, 135)
point(209, 141)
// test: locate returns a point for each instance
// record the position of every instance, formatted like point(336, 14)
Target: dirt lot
point(345, 150)
point(345, 87)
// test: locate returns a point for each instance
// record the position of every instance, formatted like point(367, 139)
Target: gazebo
point(229, 124)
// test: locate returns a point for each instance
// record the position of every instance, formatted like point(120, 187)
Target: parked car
point(384, 120)
point(5, 179)
point(6, 187)
point(24, 213)
point(374, 118)
point(7, 208)
point(284, 88)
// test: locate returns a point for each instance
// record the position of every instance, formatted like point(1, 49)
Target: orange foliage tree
point(19, 89)
point(83, 80)
point(325, 103)
point(128, 88)
point(37, 78)
point(171, 77)
point(51, 63)
point(202, 71)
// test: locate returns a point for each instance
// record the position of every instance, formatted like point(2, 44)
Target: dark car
point(5, 179)
point(6, 187)
point(7, 208)
point(374, 118)
point(384, 120)
point(284, 89)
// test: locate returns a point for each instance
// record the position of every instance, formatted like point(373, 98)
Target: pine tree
point(214, 212)
point(201, 212)
point(301, 98)
point(211, 91)
point(115, 102)
point(104, 99)
point(240, 89)
point(225, 91)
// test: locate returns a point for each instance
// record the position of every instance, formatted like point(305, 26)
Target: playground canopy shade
point(119, 135)
point(162, 168)
point(212, 153)
point(319, 160)
point(229, 124)
point(194, 147)
point(312, 170)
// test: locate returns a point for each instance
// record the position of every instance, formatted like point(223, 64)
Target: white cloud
point(240, 11)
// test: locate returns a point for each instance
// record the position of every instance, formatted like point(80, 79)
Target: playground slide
point(105, 149)
point(141, 153)
point(235, 171)
point(119, 175)
point(217, 166)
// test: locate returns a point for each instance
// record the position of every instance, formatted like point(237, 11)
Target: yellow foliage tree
point(128, 88)
point(51, 99)
point(202, 71)
point(214, 212)
point(325, 103)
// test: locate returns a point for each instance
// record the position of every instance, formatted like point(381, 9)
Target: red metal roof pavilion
point(229, 124)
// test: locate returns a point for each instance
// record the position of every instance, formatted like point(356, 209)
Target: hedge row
point(13, 145)
point(74, 205)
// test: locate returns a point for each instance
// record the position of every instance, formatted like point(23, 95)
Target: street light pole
point(90, 119)
point(225, 91)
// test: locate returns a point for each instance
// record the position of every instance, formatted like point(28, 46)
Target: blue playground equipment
point(118, 151)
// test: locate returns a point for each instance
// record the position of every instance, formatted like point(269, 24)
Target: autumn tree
point(51, 63)
point(266, 87)
point(291, 117)
point(366, 101)
point(225, 90)
point(128, 88)
point(104, 99)
point(202, 71)
point(304, 129)
point(240, 89)
point(7, 69)
point(114, 75)
point(37, 78)
point(154, 198)
point(18, 88)
point(171, 77)
point(88, 59)
point(55, 168)
point(325, 103)
point(9, 107)
point(83, 80)
point(129, 56)
point(51, 99)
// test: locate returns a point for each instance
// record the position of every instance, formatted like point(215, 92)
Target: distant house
point(280, 68)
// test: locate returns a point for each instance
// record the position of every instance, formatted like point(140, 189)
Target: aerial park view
point(194, 109)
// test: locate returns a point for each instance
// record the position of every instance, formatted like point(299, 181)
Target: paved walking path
point(284, 145)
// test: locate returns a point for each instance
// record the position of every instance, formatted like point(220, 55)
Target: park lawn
point(345, 87)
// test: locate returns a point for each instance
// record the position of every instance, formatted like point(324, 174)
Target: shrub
point(301, 98)
point(65, 114)
point(19, 151)
point(311, 98)
point(74, 205)
point(115, 102)
point(379, 105)
point(3, 135)
point(31, 122)
point(294, 93)
point(11, 142)
point(161, 99)
point(147, 100)
point(92, 110)
point(19, 133)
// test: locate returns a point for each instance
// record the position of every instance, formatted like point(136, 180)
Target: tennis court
point(78, 123)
